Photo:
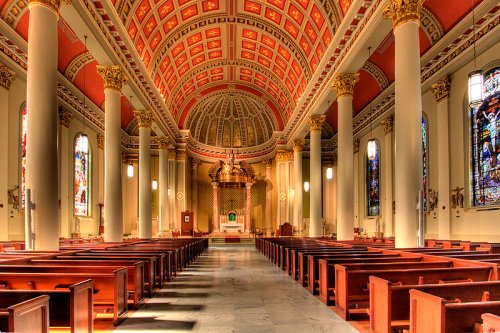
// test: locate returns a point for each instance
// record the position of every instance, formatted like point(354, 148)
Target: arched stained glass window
point(424, 160)
point(373, 184)
point(485, 143)
point(82, 176)
point(24, 134)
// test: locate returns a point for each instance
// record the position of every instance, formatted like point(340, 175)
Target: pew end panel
point(28, 316)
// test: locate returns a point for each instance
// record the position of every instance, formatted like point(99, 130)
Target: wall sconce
point(372, 149)
point(130, 170)
point(306, 186)
point(329, 173)
point(154, 184)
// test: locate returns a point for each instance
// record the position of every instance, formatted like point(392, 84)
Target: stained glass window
point(82, 179)
point(424, 160)
point(24, 133)
point(373, 184)
point(485, 143)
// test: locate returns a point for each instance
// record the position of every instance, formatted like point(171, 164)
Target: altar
point(232, 221)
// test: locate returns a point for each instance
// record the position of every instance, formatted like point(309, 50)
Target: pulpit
point(187, 219)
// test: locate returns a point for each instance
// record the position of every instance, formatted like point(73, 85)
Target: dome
point(231, 119)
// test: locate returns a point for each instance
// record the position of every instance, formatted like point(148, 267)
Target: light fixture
point(372, 144)
point(168, 191)
point(154, 183)
point(130, 170)
point(476, 76)
point(85, 143)
point(329, 173)
point(306, 186)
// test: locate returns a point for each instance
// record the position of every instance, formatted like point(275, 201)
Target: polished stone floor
point(234, 289)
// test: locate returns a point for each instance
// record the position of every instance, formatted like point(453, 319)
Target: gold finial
point(344, 83)
point(113, 76)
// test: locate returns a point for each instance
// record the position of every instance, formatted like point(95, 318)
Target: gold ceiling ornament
point(315, 122)
point(6, 76)
point(344, 83)
point(402, 11)
point(355, 146)
point(100, 141)
point(388, 124)
point(144, 118)
point(113, 76)
point(65, 117)
point(441, 88)
point(298, 144)
point(53, 5)
point(284, 156)
point(163, 142)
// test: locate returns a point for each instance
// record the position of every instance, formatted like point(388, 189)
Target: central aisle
point(234, 289)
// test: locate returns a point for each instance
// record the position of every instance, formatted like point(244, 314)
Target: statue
point(433, 199)
point(457, 199)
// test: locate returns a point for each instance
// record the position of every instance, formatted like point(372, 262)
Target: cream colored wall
point(130, 192)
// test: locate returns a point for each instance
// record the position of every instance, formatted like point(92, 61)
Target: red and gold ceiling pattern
point(271, 46)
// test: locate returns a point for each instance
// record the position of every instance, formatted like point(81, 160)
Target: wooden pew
point(27, 316)
point(69, 307)
point(135, 272)
point(110, 289)
point(351, 284)
point(434, 314)
point(390, 301)
point(491, 322)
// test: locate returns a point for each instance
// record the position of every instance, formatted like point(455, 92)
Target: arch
point(81, 171)
point(485, 143)
point(373, 181)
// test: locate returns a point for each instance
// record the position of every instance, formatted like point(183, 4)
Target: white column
point(248, 207)
point(269, 196)
point(441, 90)
point(172, 179)
point(66, 174)
point(215, 196)
point(194, 191)
point(6, 77)
point(344, 85)
point(181, 194)
point(163, 186)
point(145, 119)
point(315, 225)
point(283, 158)
point(298, 216)
point(114, 79)
point(42, 162)
point(408, 118)
point(387, 168)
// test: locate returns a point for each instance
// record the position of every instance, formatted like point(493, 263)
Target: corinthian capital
point(298, 144)
point(65, 117)
point(53, 5)
point(315, 122)
point(344, 83)
point(163, 142)
point(6, 76)
point(441, 88)
point(388, 123)
point(113, 77)
point(144, 118)
point(402, 11)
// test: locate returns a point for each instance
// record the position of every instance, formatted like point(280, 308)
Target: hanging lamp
point(372, 144)
point(475, 77)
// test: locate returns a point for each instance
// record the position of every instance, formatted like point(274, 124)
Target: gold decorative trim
point(144, 118)
point(355, 146)
point(344, 83)
point(100, 141)
point(284, 156)
point(402, 11)
point(181, 155)
point(163, 142)
point(441, 88)
point(53, 5)
point(388, 124)
point(268, 163)
point(76, 64)
point(6, 76)
point(172, 153)
point(298, 144)
point(195, 163)
point(65, 117)
point(315, 122)
point(113, 76)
